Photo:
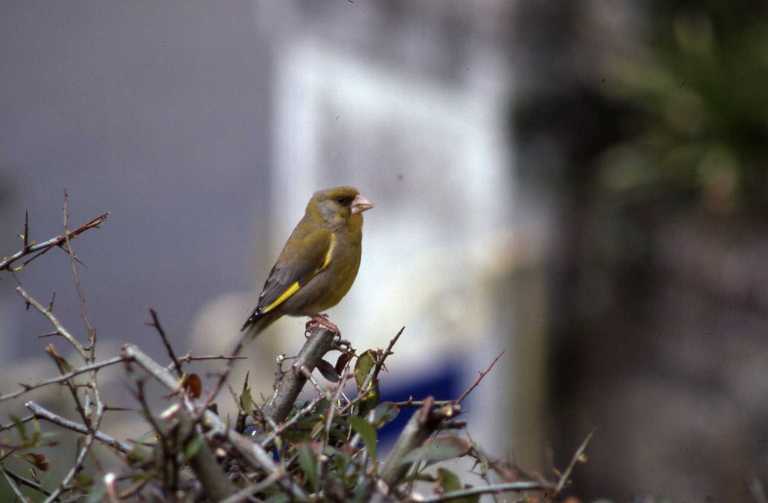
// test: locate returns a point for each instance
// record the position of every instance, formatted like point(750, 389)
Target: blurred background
point(580, 184)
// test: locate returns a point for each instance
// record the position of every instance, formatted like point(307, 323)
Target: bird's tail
point(258, 322)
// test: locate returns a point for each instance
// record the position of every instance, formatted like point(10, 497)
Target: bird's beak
point(360, 204)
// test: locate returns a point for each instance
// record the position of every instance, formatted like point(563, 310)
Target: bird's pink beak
point(360, 204)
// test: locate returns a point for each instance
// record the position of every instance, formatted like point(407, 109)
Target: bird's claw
point(321, 320)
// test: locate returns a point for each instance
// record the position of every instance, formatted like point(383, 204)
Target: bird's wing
point(295, 267)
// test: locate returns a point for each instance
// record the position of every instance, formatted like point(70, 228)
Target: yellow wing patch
point(329, 253)
point(283, 297)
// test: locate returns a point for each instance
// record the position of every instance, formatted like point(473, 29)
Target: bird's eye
point(344, 200)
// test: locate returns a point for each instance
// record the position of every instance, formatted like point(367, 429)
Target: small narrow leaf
point(193, 446)
point(20, 427)
point(308, 465)
point(366, 432)
point(384, 413)
point(366, 386)
point(363, 367)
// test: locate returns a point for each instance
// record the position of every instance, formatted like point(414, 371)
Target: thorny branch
point(40, 412)
point(25, 388)
point(36, 250)
point(60, 330)
point(479, 379)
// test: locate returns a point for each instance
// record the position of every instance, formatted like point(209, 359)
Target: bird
point(318, 263)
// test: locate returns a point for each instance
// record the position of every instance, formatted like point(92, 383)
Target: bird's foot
point(321, 320)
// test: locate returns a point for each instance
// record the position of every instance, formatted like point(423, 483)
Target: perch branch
point(320, 341)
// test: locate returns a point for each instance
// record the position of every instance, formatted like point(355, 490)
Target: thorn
point(26, 230)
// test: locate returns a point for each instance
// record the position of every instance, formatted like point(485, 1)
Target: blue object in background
point(444, 383)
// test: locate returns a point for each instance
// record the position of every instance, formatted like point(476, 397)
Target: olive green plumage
point(319, 262)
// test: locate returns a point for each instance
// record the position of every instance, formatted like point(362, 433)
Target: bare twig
point(418, 403)
point(169, 349)
point(25, 236)
point(63, 377)
point(490, 489)
point(387, 352)
point(479, 379)
point(345, 375)
point(15, 488)
point(40, 412)
point(201, 358)
point(6, 264)
point(22, 420)
point(53, 321)
point(27, 482)
point(322, 390)
point(320, 341)
point(62, 365)
point(73, 261)
point(91, 436)
point(577, 456)
point(133, 354)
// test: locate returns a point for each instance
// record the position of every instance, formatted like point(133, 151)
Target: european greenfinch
point(319, 262)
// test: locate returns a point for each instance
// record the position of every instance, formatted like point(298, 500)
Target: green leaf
point(193, 447)
point(277, 498)
point(83, 481)
point(448, 482)
point(369, 392)
point(20, 427)
point(246, 400)
point(440, 449)
point(384, 413)
point(367, 432)
point(308, 465)
point(363, 367)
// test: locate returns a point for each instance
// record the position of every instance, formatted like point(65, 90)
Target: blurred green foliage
point(700, 89)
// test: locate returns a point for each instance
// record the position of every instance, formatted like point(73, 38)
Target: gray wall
point(155, 111)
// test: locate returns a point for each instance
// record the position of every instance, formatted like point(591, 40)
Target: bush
point(280, 450)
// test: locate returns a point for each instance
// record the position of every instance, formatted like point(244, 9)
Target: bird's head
point(338, 204)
